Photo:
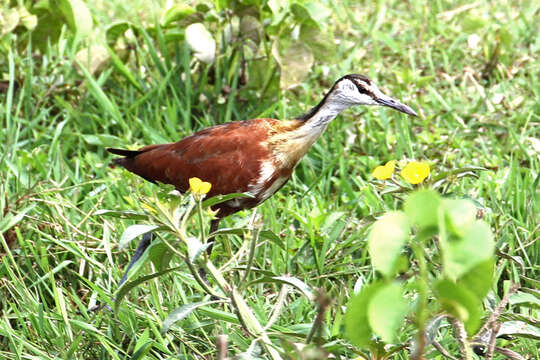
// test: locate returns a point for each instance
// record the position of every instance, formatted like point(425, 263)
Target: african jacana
point(255, 156)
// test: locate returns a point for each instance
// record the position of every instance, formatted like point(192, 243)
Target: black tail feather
point(123, 152)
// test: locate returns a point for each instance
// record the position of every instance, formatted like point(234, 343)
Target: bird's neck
point(316, 121)
point(292, 145)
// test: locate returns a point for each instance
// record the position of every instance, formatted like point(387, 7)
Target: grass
point(59, 259)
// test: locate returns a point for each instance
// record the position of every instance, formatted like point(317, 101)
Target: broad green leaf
point(461, 303)
point(201, 42)
point(29, 21)
point(181, 313)
point(251, 28)
point(160, 254)
point(115, 30)
point(386, 311)
point(132, 232)
point(176, 13)
point(478, 278)
point(525, 299)
point(95, 58)
point(422, 208)
point(77, 15)
point(320, 42)
point(295, 61)
point(462, 254)
point(386, 240)
point(460, 215)
point(357, 325)
point(519, 328)
point(312, 13)
point(48, 28)
point(9, 21)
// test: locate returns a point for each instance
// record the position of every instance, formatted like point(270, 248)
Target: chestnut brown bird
point(254, 156)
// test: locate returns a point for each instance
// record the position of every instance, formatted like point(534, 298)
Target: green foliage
point(461, 258)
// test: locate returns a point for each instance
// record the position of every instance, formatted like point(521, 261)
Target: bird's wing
point(229, 156)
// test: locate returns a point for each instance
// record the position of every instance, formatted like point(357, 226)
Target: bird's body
point(254, 156)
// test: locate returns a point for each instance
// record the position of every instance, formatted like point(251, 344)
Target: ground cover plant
point(397, 237)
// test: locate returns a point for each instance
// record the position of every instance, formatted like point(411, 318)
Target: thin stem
point(421, 314)
point(442, 350)
point(251, 255)
point(201, 222)
point(461, 336)
point(278, 307)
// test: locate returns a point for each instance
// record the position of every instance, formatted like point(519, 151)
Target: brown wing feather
point(228, 156)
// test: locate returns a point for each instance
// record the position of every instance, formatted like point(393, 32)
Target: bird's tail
point(128, 154)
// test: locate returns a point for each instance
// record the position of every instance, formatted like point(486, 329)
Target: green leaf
point(142, 346)
point(132, 232)
point(102, 140)
point(525, 299)
point(462, 254)
point(115, 30)
point(127, 286)
point(460, 303)
point(478, 278)
point(422, 208)
point(386, 311)
point(460, 215)
point(176, 13)
point(357, 325)
point(125, 214)
point(297, 283)
point(181, 313)
point(386, 240)
point(123, 69)
point(94, 58)
point(9, 220)
point(76, 15)
point(195, 248)
point(295, 60)
point(218, 199)
point(519, 328)
point(160, 254)
point(245, 315)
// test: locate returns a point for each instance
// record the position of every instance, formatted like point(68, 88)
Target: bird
point(255, 156)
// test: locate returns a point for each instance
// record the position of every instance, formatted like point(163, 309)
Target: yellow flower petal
point(199, 187)
point(205, 187)
point(384, 172)
point(415, 172)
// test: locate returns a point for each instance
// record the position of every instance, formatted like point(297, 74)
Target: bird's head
point(355, 89)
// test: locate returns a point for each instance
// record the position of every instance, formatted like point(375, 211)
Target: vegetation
point(305, 275)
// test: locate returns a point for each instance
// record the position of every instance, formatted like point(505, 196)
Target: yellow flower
point(415, 172)
point(384, 172)
point(199, 187)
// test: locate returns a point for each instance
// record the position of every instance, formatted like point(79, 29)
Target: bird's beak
point(385, 100)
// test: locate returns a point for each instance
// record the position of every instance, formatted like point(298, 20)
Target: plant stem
point(421, 315)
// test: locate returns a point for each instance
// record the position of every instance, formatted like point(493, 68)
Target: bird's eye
point(362, 90)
